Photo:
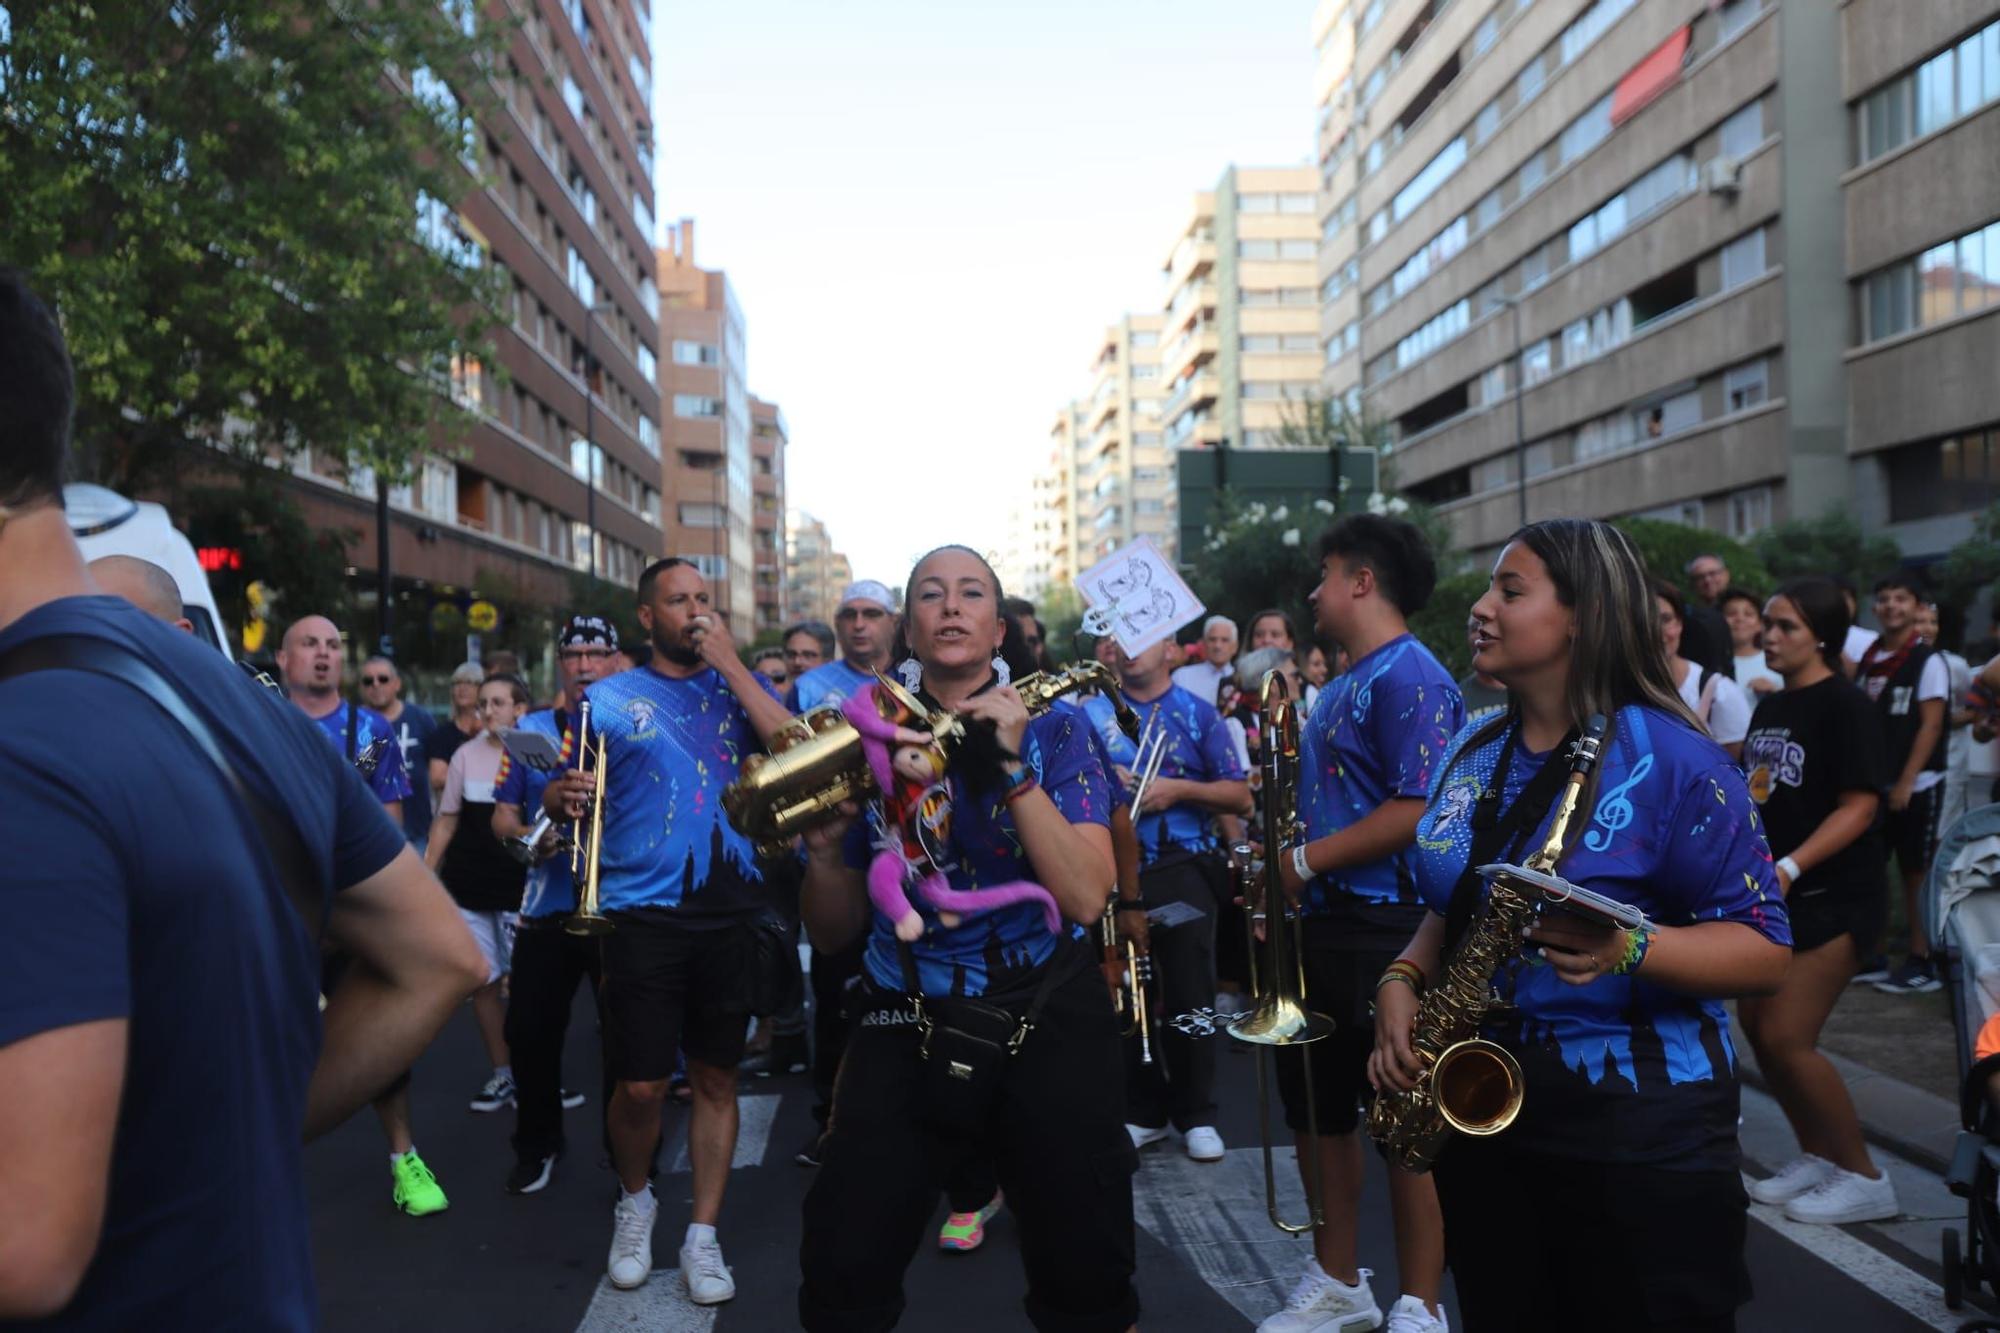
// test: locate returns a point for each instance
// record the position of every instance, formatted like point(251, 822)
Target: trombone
point(1278, 986)
point(585, 848)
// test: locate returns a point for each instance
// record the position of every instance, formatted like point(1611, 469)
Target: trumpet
point(525, 846)
point(1278, 985)
point(585, 849)
point(1127, 972)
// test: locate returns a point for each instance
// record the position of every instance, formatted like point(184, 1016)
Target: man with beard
point(681, 887)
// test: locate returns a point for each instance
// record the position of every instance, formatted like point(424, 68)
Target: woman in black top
point(1817, 768)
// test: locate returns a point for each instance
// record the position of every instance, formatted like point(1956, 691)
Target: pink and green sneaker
point(967, 1231)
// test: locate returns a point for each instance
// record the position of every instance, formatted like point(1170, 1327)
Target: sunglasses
point(377, 680)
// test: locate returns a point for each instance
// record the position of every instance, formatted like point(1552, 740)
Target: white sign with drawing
point(1135, 595)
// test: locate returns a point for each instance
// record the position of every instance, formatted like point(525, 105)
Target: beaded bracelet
point(1405, 971)
point(1636, 944)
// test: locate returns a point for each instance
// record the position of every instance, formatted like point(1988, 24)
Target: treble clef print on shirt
point(1614, 812)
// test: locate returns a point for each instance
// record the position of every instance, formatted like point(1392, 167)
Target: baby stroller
point(1962, 916)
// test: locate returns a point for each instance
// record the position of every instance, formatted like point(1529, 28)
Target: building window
point(1954, 278)
point(1746, 386)
point(1736, 16)
point(1952, 84)
point(649, 365)
point(1530, 176)
point(1749, 511)
point(1256, 203)
point(572, 96)
point(1493, 384)
point(649, 436)
point(1486, 123)
point(1426, 182)
point(1487, 33)
point(1537, 363)
point(1744, 130)
point(1743, 259)
point(696, 405)
point(1488, 210)
point(1529, 85)
point(1955, 475)
point(696, 353)
point(698, 515)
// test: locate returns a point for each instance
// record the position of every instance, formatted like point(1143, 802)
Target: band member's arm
point(1930, 726)
point(1229, 796)
point(765, 710)
point(442, 829)
point(1381, 833)
point(59, 1093)
point(1715, 960)
point(1132, 923)
point(833, 899)
point(1394, 1064)
point(1852, 816)
point(445, 824)
point(414, 963)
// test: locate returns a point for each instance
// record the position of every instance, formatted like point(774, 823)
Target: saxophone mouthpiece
point(1588, 744)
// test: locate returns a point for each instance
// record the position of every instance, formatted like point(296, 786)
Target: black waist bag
point(965, 1045)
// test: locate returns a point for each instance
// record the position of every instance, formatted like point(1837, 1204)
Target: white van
point(106, 523)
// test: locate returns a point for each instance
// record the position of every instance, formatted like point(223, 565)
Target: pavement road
point(1208, 1258)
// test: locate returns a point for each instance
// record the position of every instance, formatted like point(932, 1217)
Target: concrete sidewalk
point(1909, 1121)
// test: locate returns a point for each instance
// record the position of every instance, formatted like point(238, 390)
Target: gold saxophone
point(816, 762)
point(1471, 1084)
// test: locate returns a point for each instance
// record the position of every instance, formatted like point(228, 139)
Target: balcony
point(1196, 389)
point(1195, 349)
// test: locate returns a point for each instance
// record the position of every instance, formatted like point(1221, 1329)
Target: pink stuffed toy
point(916, 803)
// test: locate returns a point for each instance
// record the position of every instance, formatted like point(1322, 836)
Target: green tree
point(1668, 547)
point(224, 200)
point(1441, 624)
point(303, 569)
point(1973, 566)
point(1830, 544)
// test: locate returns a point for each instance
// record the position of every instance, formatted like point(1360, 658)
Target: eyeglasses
point(378, 680)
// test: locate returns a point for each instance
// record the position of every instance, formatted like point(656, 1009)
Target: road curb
point(1916, 1125)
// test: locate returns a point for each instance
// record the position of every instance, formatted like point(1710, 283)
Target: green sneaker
point(967, 1231)
point(417, 1191)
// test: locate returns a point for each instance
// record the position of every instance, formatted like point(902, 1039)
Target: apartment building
point(706, 472)
point(769, 438)
point(1240, 331)
point(1920, 196)
point(815, 573)
point(1716, 262)
point(1121, 483)
point(563, 462)
point(1054, 485)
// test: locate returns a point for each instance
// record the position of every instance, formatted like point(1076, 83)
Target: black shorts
point(1342, 965)
point(1541, 1244)
point(1821, 918)
point(670, 986)
point(1912, 832)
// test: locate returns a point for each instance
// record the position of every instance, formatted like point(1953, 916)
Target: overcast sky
point(930, 210)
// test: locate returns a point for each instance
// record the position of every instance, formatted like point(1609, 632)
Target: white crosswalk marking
point(661, 1306)
point(1212, 1216)
point(753, 1134)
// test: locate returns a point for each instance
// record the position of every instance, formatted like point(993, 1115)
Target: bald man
point(145, 585)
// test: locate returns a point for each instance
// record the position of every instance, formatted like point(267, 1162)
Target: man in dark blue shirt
point(161, 1048)
point(382, 691)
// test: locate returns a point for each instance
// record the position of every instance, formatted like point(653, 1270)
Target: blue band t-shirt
point(673, 745)
point(137, 888)
point(390, 781)
point(828, 683)
point(1376, 734)
point(550, 888)
point(994, 952)
point(1199, 749)
point(1622, 1069)
point(414, 727)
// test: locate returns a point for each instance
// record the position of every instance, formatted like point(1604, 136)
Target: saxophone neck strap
point(1497, 832)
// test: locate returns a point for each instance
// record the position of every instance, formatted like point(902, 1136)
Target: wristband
point(1405, 971)
point(1636, 945)
point(1790, 867)
point(1015, 775)
point(1299, 865)
point(1021, 788)
point(1128, 904)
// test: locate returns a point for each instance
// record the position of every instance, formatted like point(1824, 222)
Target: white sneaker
point(1321, 1304)
point(1846, 1196)
point(1204, 1144)
point(631, 1243)
point(707, 1277)
point(1141, 1136)
point(1409, 1315)
point(1799, 1176)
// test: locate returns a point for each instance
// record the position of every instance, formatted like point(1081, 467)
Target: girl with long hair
point(1614, 1199)
point(1042, 1097)
point(1817, 768)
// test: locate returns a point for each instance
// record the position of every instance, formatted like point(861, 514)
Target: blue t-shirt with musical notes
point(828, 683)
point(1198, 749)
point(995, 953)
point(671, 746)
point(1376, 734)
point(1621, 1069)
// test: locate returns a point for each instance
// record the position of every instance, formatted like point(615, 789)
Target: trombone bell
point(1281, 1020)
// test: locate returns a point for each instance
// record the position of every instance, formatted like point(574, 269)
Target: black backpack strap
point(353, 722)
point(289, 856)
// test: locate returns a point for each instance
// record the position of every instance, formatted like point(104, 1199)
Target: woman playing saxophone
point(1613, 1200)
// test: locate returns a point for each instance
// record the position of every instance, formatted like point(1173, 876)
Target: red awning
point(1650, 77)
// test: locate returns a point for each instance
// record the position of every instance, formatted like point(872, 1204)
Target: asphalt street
point(1208, 1259)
